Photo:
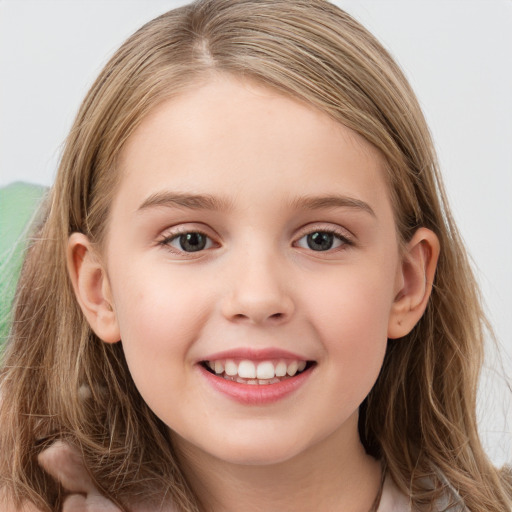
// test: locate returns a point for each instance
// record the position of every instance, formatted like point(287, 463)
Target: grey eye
point(320, 241)
point(191, 242)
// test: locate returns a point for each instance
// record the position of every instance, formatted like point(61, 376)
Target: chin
point(264, 451)
point(263, 458)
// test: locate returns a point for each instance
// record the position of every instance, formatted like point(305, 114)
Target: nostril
point(272, 317)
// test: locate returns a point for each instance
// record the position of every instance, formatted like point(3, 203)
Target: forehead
point(229, 135)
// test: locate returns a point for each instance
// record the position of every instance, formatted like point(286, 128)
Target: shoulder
point(392, 499)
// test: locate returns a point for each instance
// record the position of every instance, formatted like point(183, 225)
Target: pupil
point(320, 241)
point(192, 242)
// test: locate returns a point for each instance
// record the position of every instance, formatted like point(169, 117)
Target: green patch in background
point(18, 206)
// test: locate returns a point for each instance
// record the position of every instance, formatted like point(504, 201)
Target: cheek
point(158, 323)
point(354, 300)
point(161, 315)
point(150, 301)
point(350, 314)
point(355, 329)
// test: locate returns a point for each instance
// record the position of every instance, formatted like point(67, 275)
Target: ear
point(92, 287)
point(414, 282)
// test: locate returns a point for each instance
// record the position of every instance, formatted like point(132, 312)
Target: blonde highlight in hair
point(420, 415)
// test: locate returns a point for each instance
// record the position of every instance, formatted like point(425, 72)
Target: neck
point(333, 475)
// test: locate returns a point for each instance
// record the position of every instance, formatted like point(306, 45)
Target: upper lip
point(253, 354)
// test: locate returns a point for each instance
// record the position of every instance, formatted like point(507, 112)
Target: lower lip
point(256, 394)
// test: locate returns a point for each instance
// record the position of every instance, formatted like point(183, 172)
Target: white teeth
point(292, 368)
point(265, 370)
point(281, 369)
point(247, 370)
point(253, 372)
point(231, 368)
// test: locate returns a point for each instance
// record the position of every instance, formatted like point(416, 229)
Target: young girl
point(248, 292)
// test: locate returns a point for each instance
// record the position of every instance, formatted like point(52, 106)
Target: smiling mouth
point(257, 372)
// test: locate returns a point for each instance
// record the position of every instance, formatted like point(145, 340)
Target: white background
point(456, 53)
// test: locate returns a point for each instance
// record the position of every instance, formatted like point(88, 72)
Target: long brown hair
point(60, 381)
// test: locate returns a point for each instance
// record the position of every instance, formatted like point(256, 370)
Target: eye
point(189, 242)
point(322, 241)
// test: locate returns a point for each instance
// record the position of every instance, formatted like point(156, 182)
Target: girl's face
point(252, 237)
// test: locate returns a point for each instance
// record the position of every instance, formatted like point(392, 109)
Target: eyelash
point(342, 237)
point(166, 241)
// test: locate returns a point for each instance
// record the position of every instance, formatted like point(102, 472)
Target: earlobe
point(416, 276)
point(92, 288)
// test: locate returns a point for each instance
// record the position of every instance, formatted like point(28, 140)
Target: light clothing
point(392, 500)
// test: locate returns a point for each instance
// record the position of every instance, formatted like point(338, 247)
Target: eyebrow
point(331, 201)
point(183, 200)
point(209, 202)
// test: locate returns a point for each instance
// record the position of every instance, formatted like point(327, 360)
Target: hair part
point(420, 415)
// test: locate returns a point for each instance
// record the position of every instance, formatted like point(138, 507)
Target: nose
point(258, 291)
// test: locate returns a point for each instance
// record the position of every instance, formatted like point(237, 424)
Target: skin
point(257, 284)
